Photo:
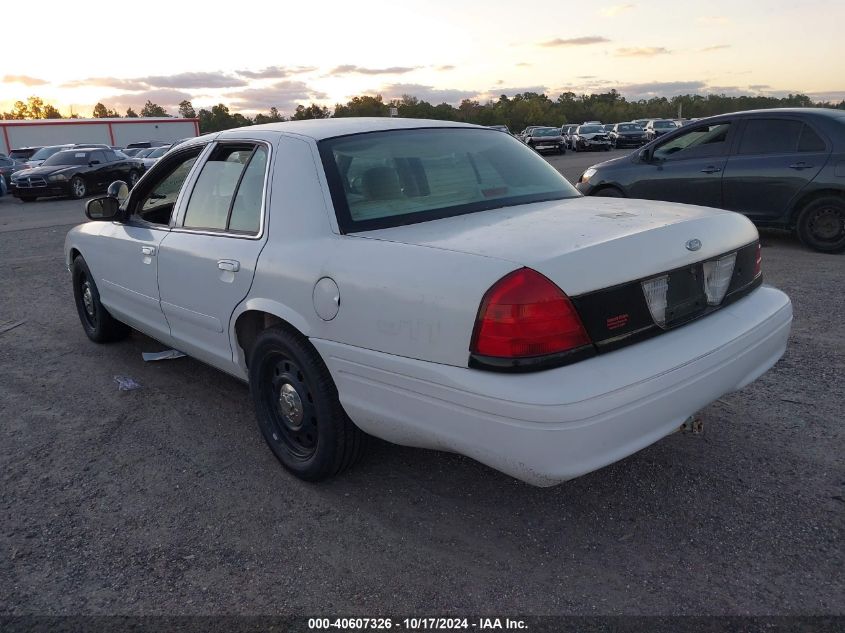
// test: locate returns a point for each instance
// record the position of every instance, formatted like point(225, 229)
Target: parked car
point(146, 144)
point(589, 137)
point(524, 134)
point(23, 153)
point(608, 127)
point(76, 173)
point(131, 151)
point(627, 135)
point(781, 168)
point(500, 128)
point(9, 166)
point(142, 152)
point(545, 139)
point(43, 154)
point(153, 155)
point(658, 127)
point(567, 131)
point(547, 337)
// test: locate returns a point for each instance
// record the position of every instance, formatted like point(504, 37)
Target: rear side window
point(699, 141)
point(227, 195)
point(770, 136)
point(810, 141)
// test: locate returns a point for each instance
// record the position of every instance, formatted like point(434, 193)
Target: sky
point(260, 53)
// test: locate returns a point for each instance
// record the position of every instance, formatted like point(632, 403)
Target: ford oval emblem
point(693, 245)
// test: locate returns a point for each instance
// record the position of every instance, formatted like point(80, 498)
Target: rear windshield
point(629, 127)
point(70, 157)
point(664, 124)
point(397, 177)
point(590, 129)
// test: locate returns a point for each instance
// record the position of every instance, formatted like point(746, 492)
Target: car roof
point(319, 129)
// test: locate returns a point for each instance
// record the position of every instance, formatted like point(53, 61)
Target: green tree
point(151, 109)
point(219, 118)
point(51, 113)
point(362, 106)
point(100, 111)
point(274, 116)
point(313, 111)
point(131, 114)
point(186, 110)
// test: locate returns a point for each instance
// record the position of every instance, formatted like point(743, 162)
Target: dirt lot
point(165, 500)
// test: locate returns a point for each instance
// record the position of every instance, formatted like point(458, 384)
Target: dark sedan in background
point(546, 139)
point(76, 173)
point(627, 135)
point(659, 127)
point(9, 166)
point(782, 168)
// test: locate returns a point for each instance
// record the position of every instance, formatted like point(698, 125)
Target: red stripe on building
point(6, 138)
point(111, 134)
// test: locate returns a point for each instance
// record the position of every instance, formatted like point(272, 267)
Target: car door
point(207, 262)
point(775, 158)
point(686, 166)
point(125, 263)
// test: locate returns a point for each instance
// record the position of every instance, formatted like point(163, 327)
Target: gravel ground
point(165, 500)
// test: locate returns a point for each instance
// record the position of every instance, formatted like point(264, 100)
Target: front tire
point(297, 407)
point(609, 192)
point(99, 325)
point(821, 225)
point(78, 188)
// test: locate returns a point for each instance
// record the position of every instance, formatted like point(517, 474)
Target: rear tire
point(298, 409)
point(99, 325)
point(821, 225)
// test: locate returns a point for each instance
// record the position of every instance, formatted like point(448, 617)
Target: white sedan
point(433, 284)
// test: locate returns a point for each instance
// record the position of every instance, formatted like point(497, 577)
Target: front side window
point(702, 140)
point(770, 136)
point(397, 177)
point(159, 195)
point(229, 190)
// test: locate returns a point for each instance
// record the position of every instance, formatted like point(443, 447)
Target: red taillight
point(523, 315)
point(758, 261)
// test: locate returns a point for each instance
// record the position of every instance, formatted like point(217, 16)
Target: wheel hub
point(88, 299)
point(290, 406)
point(827, 225)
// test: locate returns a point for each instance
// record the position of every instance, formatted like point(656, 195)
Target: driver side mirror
point(645, 155)
point(105, 208)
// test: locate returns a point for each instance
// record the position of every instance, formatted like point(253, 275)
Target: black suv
point(782, 168)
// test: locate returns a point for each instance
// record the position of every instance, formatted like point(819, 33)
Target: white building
point(117, 132)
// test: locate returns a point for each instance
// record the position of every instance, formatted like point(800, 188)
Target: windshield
point(158, 152)
point(143, 153)
point(397, 177)
point(546, 131)
point(45, 152)
point(68, 158)
point(590, 129)
point(664, 124)
point(629, 127)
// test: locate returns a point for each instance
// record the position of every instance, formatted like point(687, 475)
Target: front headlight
point(56, 177)
point(585, 177)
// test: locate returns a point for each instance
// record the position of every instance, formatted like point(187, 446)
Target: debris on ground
point(126, 383)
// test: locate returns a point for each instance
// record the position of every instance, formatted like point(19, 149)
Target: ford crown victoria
point(434, 284)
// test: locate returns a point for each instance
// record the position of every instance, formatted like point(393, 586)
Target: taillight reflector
point(525, 315)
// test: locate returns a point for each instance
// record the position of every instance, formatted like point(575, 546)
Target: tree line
point(517, 112)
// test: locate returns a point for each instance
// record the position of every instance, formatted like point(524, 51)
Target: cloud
point(660, 89)
point(284, 95)
point(829, 95)
point(107, 82)
point(26, 80)
point(425, 93)
point(717, 47)
point(616, 9)
point(523, 64)
point(586, 77)
point(496, 92)
point(758, 87)
point(644, 51)
point(347, 69)
point(193, 80)
point(445, 67)
point(276, 72)
point(165, 97)
point(575, 41)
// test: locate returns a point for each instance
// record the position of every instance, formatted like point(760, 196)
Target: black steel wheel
point(297, 407)
point(821, 225)
point(99, 325)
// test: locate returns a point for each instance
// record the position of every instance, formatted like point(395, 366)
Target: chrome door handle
point(800, 166)
point(231, 265)
point(148, 250)
point(711, 169)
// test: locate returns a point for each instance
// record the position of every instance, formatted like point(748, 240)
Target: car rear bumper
point(550, 426)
